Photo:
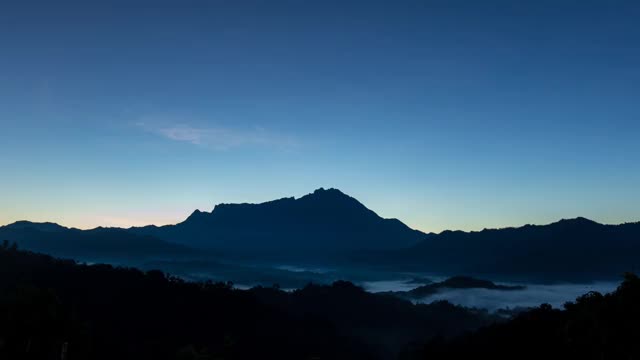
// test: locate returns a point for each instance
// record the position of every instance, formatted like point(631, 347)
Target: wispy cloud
point(221, 138)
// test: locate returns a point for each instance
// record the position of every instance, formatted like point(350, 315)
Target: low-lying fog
point(290, 277)
point(533, 295)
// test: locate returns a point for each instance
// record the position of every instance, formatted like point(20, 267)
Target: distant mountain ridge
point(325, 220)
point(99, 243)
point(572, 248)
point(44, 226)
point(328, 225)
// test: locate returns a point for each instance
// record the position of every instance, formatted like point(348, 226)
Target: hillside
point(105, 312)
point(595, 326)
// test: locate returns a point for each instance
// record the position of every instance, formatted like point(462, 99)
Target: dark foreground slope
point(50, 306)
point(595, 326)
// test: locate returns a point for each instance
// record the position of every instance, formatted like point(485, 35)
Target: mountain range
point(95, 244)
point(567, 249)
point(328, 224)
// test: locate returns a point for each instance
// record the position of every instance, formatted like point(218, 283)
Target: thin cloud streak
point(221, 138)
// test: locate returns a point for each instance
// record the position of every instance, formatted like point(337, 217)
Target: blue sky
point(444, 114)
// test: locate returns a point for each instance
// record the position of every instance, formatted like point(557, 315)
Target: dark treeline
point(595, 326)
point(58, 309)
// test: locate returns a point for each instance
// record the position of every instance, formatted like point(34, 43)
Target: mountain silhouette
point(99, 243)
point(567, 249)
point(324, 221)
point(45, 226)
point(329, 225)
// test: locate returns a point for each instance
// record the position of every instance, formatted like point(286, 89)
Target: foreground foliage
point(58, 309)
point(595, 326)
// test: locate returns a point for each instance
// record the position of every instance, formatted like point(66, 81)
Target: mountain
point(100, 243)
point(325, 221)
point(328, 225)
point(45, 226)
point(567, 249)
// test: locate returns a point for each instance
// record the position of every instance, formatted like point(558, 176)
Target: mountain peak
point(578, 221)
point(332, 198)
point(45, 226)
point(321, 193)
point(241, 206)
point(326, 219)
point(332, 191)
point(196, 214)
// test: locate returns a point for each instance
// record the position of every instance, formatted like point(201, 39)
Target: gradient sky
point(444, 114)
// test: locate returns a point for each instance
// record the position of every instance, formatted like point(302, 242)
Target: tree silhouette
point(595, 326)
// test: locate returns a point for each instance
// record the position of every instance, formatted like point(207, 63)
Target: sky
point(444, 114)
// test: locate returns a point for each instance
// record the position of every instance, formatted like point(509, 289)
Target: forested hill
point(595, 326)
point(48, 306)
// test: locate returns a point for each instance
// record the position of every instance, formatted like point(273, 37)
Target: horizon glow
point(456, 115)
